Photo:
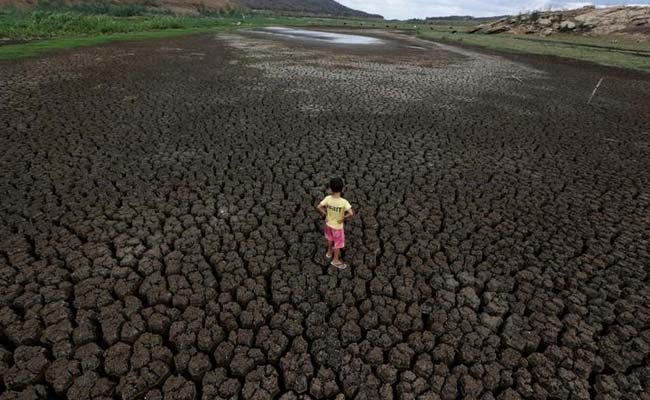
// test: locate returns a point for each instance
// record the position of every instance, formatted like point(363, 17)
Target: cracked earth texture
point(158, 238)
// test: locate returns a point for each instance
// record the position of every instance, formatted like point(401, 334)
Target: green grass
point(54, 24)
point(35, 48)
point(599, 50)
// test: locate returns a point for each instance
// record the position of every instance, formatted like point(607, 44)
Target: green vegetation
point(124, 10)
point(34, 48)
point(59, 24)
point(600, 50)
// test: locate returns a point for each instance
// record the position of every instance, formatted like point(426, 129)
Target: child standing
point(336, 211)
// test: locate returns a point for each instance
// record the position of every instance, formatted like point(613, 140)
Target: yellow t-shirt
point(336, 208)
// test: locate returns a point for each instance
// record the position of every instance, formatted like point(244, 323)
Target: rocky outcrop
point(598, 21)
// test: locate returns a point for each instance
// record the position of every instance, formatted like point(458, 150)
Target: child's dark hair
point(336, 185)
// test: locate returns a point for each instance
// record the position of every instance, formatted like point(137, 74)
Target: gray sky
point(404, 9)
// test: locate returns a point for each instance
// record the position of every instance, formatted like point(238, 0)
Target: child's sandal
point(339, 266)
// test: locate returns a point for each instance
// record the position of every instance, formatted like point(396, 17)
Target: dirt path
point(157, 235)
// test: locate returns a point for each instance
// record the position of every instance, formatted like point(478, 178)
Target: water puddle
point(331, 37)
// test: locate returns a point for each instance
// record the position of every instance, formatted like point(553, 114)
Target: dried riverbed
point(158, 238)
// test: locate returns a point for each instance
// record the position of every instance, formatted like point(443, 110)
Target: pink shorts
point(335, 235)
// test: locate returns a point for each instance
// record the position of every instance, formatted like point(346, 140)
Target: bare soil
point(158, 238)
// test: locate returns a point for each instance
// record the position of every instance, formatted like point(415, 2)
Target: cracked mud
point(158, 238)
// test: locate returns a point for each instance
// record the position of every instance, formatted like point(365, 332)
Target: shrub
point(116, 10)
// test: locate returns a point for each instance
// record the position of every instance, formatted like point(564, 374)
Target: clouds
point(404, 9)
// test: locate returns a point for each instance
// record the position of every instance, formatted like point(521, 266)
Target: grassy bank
point(608, 51)
point(34, 48)
point(47, 24)
point(46, 31)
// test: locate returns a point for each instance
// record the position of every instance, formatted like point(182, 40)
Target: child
point(336, 211)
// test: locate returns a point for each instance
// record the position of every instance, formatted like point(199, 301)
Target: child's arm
point(348, 214)
point(321, 209)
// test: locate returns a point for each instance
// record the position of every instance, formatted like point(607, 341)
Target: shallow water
point(332, 37)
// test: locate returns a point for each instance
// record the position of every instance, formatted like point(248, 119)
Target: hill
point(310, 7)
point(587, 20)
point(324, 7)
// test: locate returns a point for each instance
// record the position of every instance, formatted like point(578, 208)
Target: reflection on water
point(332, 37)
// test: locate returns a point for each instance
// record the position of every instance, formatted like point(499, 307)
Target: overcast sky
point(404, 9)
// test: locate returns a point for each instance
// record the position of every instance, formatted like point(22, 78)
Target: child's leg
point(330, 241)
point(339, 243)
point(336, 259)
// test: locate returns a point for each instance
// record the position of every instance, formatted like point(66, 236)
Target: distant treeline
point(467, 18)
